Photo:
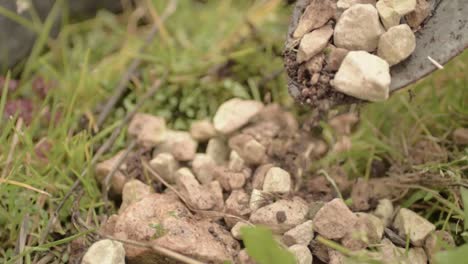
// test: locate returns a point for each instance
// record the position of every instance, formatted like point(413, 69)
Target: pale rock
point(165, 165)
point(402, 7)
point(315, 65)
point(436, 242)
point(148, 130)
point(301, 234)
point(257, 200)
point(367, 230)
point(417, 256)
point(334, 57)
point(229, 179)
point(281, 215)
point(235, 113)
point(236, 163)
point(302, 254)
point(134, 191)
point(237, 204)
point(384, 211)
point(259, 175)
point(397, 44)
point(364, 76)
point(410, 224)
point(202, 130)
point(218, 150)
point(159, 219)
point(345, 4)
point(180, 144)
point(105, 251)
point(244, 258)
point(417, 17)
point(336, 257)
point(389, 254)
point(236, 230)
point(313, 43)
point(334, 219)
point(236, 180)
point(253, 152)
point(460, 136)
point(358, 28)
point(277, 180)
point(198, 196)
point(203, 168)
point(317, 14)
point(118, 179)
point(388, 15)
point(216, 191)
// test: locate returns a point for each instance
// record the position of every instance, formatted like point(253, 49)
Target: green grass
point(87, 60)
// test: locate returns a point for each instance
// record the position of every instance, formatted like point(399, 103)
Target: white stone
point(388, 15)
point(202, 130)
point(384, 211)
point(302, 254)
point(402, 7)
point(235, 113)
point(148, 130)
point(218, 150)
point(277, 180)
point(236, 229)
point(397, 44)
point(334, 220)
point(301, 234)
point(165, 165)
point(180, 144)
point(257, 199)
point(203, 168)
point(105, 251)
point(315, 15)
point(364, 76)
point(134, 191)
point(358, 28)
point(410, 224)
point(313, 43)
point(345, 4)
point(199, 197)
point(254, 152)
point(417, 17)
point(236, 163)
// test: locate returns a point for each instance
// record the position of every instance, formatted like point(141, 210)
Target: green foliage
point(263, 248)
point(464, 194)
point(453, 256)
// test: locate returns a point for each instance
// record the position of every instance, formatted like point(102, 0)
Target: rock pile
point(350, 45)
point(245, 169)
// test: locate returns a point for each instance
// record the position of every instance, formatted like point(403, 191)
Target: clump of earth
point(193, 192)
point(342, 51)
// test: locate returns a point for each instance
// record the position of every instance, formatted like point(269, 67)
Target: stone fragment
point(216, 191)
point(364, 76)
point(197, 195)
point(236, 229)
point(313, 43)
point(358, 28)
point(147, 129)
point(259, 175)
point(345, 4)
point(203, 167)
point(165, 165)
point(410, 224)
point(397, 44)
point(244, 258)
point(315, 16)
point(315, 65)
point(218, 150)
point(253, 152)
point(235, 113)
point(163, 220)
point(417, 17)
point(302, 254)
point(402, 7)
point(334, 57)
point(281, 215)
point(237, 204)
point(437, 242)
point(367, 230)
point(384, 211)
point(334, 220)
point(178, 143)
point(277, 180)
point(460, 136)
point(257, 200)
point(105, 167)
point(202, 130)
point(388, 15)
point(389, 253)
point(301, 234)
point(105, 251)
point(134, 191)
point(236, 163)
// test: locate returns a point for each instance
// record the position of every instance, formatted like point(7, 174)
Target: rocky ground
point(347, 47)
point(195, 193)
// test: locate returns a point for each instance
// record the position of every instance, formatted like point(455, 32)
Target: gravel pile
point(248, 167)
point(347, 47)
